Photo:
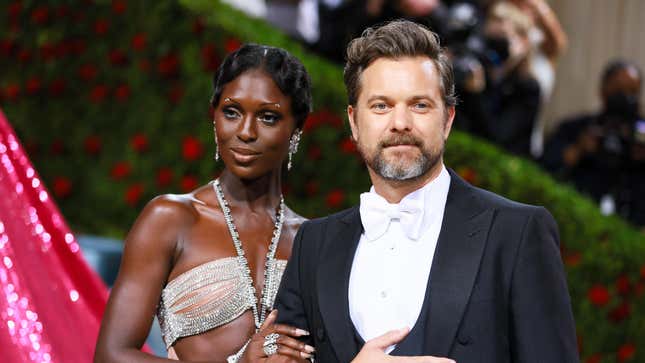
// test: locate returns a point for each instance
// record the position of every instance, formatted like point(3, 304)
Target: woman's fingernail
point(300, 332)
point(305, 355)
point(309, 348)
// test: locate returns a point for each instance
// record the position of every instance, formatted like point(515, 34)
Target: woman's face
point(253, 125)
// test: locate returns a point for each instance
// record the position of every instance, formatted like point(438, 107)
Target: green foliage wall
point(111, 100)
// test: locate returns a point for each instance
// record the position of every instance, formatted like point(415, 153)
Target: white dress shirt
point(390, 270)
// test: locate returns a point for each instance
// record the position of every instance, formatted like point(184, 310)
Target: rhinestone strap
point(258, 316)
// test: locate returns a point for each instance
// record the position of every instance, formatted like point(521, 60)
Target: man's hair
point(397, 39)
point(287, 72)
point(616, 65)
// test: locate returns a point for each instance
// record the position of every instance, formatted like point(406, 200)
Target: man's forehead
point(401, 76)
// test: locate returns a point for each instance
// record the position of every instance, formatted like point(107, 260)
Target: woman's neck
point(261, 193)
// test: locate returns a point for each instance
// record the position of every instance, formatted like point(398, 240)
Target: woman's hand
point(289, 348)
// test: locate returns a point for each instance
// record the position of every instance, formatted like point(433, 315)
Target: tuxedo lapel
point(455, 265)
point(333, 281)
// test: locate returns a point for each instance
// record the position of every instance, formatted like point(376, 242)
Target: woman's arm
point(150, 248)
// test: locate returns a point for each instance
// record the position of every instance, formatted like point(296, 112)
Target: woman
point(209, 263)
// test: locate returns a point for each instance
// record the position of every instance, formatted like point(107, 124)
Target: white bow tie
point(377, 213)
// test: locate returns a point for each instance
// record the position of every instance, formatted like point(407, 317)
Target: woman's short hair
point(288, 73)
point(399, 38)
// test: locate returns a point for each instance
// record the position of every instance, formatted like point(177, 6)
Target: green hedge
point(111, 100)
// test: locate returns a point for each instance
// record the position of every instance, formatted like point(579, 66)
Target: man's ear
point(450, 117)
point(351, 116)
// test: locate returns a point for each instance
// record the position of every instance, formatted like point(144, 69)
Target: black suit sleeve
point(289, 300)
point(542, 325)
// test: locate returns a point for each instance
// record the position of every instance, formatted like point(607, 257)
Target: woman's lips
point(243, 156)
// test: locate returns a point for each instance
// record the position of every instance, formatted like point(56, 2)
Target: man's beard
point(399, 170)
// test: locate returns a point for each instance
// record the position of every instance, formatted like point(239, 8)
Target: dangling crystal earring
point(216, 144)
point(293, 145)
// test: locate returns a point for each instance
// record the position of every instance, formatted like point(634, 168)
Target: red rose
point(175, 94)
point(210, 61)
point(348, 146)
point(198, 26)
point(623, 286)
point(118, 6)
point(314, 152)
point(120, 170)
point(12, 92)
point(139, 41)
point(639, 289)
point(101, 26)
point(333, 119)
point(232, 44)
point(117, 58)
point(57, 147)
point(168, 65)
point(6, 47)
point(87, 72)
point(188, 183)
point(40, 15)
point(192, 148)
point(643, 272)
point(164, 177)
point(62, 187)
point(312, 188)
point(48, 52)
point(24, 56)
point(468, 175)
point(33, 85)
point(14, 9)
point(620, 313)
point(77, 46)
point(98, 93)
point(139, 143)
point(572, 259)
point(57, 87)
point(62, 11)
point(335, 198)
point(313, 121)
point(92, 145)
point(596, 358)
point(133, 194)
point(122, 92)
point(598, 295)
point(626, 352)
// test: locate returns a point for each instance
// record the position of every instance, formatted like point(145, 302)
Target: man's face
point(400, 122)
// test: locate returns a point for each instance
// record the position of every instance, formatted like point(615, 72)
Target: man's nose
point(401, 119)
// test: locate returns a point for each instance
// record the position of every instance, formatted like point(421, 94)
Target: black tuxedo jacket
point(497, 290)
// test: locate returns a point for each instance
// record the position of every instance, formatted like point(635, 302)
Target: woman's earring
point(216, 144)
point(293, 145)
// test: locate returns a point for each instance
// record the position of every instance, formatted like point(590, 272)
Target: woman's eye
point(269, 118)
point(230, 113)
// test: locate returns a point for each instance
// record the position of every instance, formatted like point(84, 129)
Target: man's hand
point(374, 350)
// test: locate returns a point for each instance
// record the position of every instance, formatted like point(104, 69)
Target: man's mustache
point(404, 139)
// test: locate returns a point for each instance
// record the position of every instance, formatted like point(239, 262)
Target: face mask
point(622, 105)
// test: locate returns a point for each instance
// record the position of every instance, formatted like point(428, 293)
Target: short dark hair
point(288, 73)
point(396, 39)
point(616, 65)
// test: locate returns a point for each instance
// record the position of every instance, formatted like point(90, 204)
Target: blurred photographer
point(603, 154)
point(500, 96)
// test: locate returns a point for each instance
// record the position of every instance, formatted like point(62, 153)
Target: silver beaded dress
point(210, 295)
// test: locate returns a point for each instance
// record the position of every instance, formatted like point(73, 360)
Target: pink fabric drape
point(51, 301)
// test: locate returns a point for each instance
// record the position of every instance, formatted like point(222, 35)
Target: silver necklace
point(258, 316)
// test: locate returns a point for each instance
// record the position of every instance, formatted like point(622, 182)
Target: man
point(427, 268)
point(603, 153)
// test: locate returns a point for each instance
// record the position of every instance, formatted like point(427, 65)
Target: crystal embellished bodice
point(210, 295)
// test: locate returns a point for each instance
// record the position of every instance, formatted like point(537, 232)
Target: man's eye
point(379, 107)
point(269, 118)
point(421, 106)
point(230, 113)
